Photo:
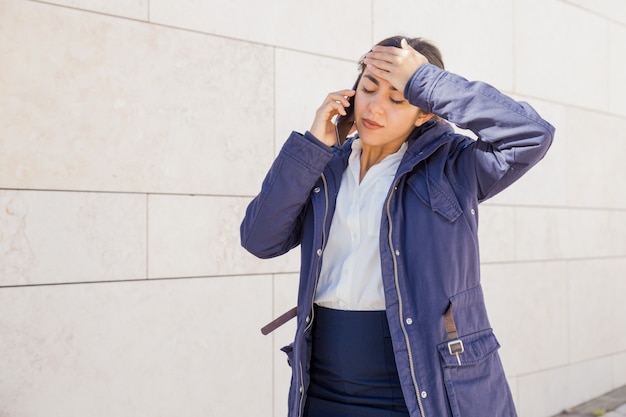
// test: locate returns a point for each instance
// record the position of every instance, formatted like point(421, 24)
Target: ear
point(423, 118)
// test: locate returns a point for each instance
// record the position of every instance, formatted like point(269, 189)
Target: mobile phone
point(344, 123)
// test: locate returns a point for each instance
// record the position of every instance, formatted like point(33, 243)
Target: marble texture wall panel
point(496, 233)
point(617, 63)
point(199, 236)
point(522, 299)
point(619, 370)
point(548, 47)
point(475, 51)
point(596, 289)
point(155, 348)
point(596, 150)
point(134, 9)
point(306, 79)
point(51, 237)
point(547, 393)
point(609, 9)
point(339, 29)
point(557, 233)
point(128, 106)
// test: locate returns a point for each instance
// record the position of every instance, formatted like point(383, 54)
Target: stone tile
point(619, 370)
point(561, 233)
point(126, 106)
point(135, 9)
point(541, 233)
point(617, 62)
point(199, 236)
point(596, 308)
point(324, 27)
point(171, 347)
point(496, 233)
point(609, 9)
point(591, 378)
point(521, 299)
point(306, 79)
point(475, 53)
point(547, 393)
point(547, 58)
point(544, 393)
point(52, 237)
point(595, 155)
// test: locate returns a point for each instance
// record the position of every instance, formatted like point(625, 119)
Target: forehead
point(367, 75)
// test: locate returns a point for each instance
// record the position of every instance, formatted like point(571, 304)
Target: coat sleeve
point(271, 226)
point(512, 137)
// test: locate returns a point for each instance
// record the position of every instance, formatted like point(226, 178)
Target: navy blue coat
point(428, 238)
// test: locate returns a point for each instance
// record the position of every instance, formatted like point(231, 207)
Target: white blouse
point(351, 277)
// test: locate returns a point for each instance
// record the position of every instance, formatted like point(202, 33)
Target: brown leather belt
point(455, 345)
point(279, 321)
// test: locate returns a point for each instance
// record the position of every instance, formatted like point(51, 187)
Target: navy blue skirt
point(353, 369)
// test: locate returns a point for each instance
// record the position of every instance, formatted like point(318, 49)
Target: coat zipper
point(317, 276)
point(401, 313)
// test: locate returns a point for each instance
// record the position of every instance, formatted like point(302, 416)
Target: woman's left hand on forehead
point(396, 65)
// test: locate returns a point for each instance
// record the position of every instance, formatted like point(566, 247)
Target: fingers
point(334, 104)
point(393, 64)
point(389, 54)
point(388, 57)
point(338, 101)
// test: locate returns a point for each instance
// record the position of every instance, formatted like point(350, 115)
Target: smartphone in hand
point(344, 124)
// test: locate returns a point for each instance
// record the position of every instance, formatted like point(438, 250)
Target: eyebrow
point(375, 81)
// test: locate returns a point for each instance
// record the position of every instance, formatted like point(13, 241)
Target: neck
point(371, 155)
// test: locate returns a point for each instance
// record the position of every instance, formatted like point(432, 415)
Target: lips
point(371, 124)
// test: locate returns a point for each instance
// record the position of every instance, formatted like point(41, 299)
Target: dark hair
point(424, 47)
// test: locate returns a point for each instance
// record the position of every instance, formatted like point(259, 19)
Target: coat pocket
point(477, 386)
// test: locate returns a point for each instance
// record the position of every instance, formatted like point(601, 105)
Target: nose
point(375, 104)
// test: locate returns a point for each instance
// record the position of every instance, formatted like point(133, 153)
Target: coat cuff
point(418, 90)
point(308, 151)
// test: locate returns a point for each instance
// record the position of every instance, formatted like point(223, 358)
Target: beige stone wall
point(134, 133)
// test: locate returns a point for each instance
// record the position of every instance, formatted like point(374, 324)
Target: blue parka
point(428, 238)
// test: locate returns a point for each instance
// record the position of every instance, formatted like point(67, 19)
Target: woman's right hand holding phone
point(323, 127)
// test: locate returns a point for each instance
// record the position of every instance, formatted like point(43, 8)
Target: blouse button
point(319, 252)
point(409, 321)
point(316, 190)
point(397, 252)
point(473, 212)
point(424, 394)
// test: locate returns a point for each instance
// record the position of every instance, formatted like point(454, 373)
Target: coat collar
point(423, 142)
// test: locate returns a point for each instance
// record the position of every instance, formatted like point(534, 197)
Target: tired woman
point(391, 319)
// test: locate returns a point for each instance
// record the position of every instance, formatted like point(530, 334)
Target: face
point(383, 116)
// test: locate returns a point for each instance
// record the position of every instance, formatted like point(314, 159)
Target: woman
point(391, 319)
